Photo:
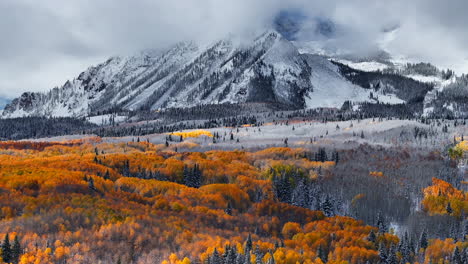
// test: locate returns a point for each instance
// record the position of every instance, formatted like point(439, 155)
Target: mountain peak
point(269, 69)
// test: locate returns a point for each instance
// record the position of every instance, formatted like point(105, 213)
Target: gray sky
point(46, 42)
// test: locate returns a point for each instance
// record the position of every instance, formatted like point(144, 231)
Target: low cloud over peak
point(46, 43)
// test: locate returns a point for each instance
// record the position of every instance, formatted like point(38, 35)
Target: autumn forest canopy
point(94, 200)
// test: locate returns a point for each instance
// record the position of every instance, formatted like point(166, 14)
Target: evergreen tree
point(215, 258)
point(228, 209)
point(464, 256)
point(247, 257)
point(449, 208)
point(16, 250)
point(231, 256)
point(107, 175)
point(382, 254)
point(91, 184)
point(327, 207)
point(321, 155)
point(335, 157)
point(248, 243)
point(423, 243)
point(240, 259)
point(392, 258)
point(300, 195)
point(381, 223)
point(192, 176)
point(454, 232)
point(465, 230)
point(6, 249)
point(322, 254)
point(456, 257)
point(271, 260)
point(282, 187)
point(258, 255)
point(404, 249)
point(371, 237)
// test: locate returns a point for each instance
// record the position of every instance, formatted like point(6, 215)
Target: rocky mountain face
point(268, 69)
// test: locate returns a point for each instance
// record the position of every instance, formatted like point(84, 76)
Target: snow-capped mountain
point(268, 69)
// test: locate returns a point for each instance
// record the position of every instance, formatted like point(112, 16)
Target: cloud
point(46, 42)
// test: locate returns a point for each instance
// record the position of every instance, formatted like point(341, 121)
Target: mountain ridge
point(268, 69)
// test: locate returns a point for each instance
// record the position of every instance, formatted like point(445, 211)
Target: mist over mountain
point(296, 25)
point(181, 64)
point(4, 102)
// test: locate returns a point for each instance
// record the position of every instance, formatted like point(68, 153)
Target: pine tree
point(16, 250)
point(465, 230)
point(215, 258)
point(381, 223)
point(300, 195)
point(91, 184)
point(327, 207)
point(336, 157)
point(192, 176)
point(449, 208)
point(423, 243)
point(271, 260)
point(248, 243)
point(231, 256)
point(404, 249)
point(240, 259)
point(247, 257)
point(322, 254)
point(464, 256)
point(382, 254)
point(321, 155)
point(228, 209)
point(107, 175)
point(454, 232)
point(456, 257)
point(6, 249)
point(392, 258)
point(371, 237)
point(258, 255)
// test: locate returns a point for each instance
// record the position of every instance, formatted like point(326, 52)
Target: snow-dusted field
point(346, 134)
point(106, 119)
point(367, 66)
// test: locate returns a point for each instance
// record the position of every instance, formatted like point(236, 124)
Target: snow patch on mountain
point(330, 89)
point(367, 66)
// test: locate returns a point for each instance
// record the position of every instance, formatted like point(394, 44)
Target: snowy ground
point(347, 134)
point(106, 119)
point(308, 134)
point(367, 66)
